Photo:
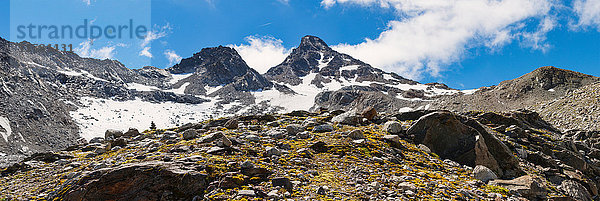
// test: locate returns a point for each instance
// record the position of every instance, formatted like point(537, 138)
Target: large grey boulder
point(465, 141)
point(140, 181)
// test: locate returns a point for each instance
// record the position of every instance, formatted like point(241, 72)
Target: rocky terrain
point(328, 155)
point(534, 88)
point(578, 110)
point(320, 125)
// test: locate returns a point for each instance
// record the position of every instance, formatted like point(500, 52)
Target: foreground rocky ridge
point(423, 154)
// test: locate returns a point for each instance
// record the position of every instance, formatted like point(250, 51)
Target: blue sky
point(463, 43)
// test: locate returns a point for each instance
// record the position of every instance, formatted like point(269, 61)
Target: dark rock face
point(223, 69)
point(313, 55)
point(145, 181)
point(464, 141)
point(218, 66)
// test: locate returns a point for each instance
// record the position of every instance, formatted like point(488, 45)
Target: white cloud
point(85, 50)
point(156, 33)
point(146, 52)
point(432, 34)
point(87, 2)
point(172, 57)
point(588, 12)
point(262, 53)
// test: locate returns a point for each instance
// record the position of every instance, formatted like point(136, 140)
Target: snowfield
point(98, 115)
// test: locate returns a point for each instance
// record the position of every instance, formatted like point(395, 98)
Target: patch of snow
point(469, 91)
point(6, 130)
point(322, 62)
point(210, 90)
point(141, 87)
point(177, 77)
point(98, 115)
point(349, 68)
point(388, 77)
point(82, 73)
point(406, 109)
point(551, 90)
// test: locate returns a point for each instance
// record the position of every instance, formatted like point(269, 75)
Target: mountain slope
point(534, 88)
point(579, 109)
point(321, 76)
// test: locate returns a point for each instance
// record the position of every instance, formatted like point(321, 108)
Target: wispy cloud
point(146, 52)
point(588, 12)
point(172, 57)
point(262, 53)
point(156, 33)
point(85, 50)
point(431, 35)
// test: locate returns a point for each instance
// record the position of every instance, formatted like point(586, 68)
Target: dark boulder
point(145, 181)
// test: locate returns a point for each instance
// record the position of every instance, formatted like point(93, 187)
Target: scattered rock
point(131, 182)
point(369, 113)
point(320, 147)
point(190, 134)
point(348, 118)
point(575, 190)
point(294, 129)
point(231, 124)
point(392, 127)
point(132, 132)
point(323, 128)
point(484, 174)
point(282, 182)
point(112, 134)
point(249, 193)
point(527, 186)
point(272, 151)
point(356, 134)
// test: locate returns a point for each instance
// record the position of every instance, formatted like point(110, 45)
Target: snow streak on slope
point(98, 115)
point(5, 129)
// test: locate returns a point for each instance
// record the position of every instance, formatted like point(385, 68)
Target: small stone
point(272, 151)
point(247, 165)
point(254, 127)
point(273, 194)
point(190, 134)
point(294, 129)
point(356, 134)
point(211, 137)
point(392, 138)
point(323, 128)
point(276, 134)
point(249, 193)
point(282, 182)
point(424, 148)
point(225, 142)
point(132, 132)
point(323, 190)
point(97, 140)
point(484, 174)
point(320, 147)
point(112, 134)
point(369, 113)
point(392, 127)
point(231, 124)
point(303, 135)
point(252, 138)
point(348, 118)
